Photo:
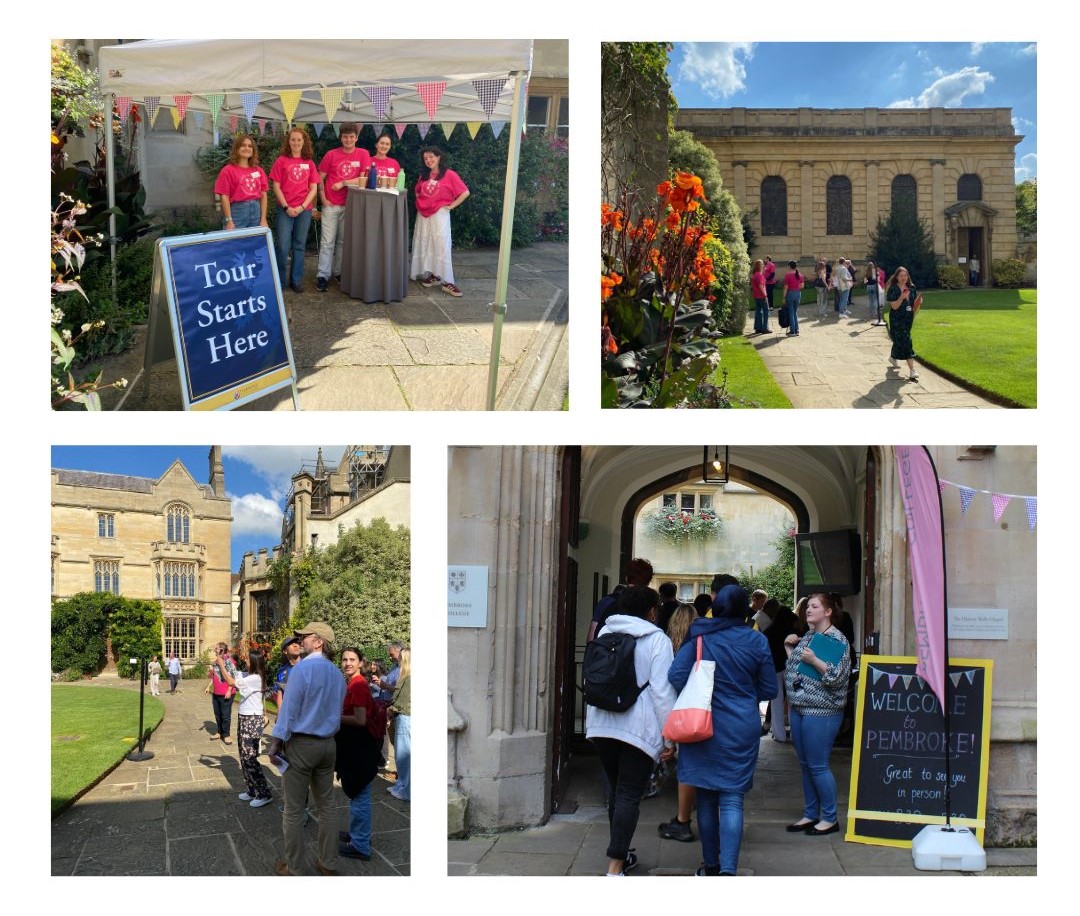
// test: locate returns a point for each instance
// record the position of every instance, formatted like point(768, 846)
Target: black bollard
point(141, 754)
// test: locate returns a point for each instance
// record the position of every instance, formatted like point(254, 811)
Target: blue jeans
point(402, 755)
point(791, 303)
point(813, 738)
point(290, 234)
point(245, 214)
point(873, 307)
point(360, 820)
point(761, 315)
point(720, 821)
point(842, 303)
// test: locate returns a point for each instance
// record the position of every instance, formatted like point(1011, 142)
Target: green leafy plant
point(135, 628)
point(78, 632)
point(903, 239)
point(678, 526)
point(197, 671)
point(1027, 207)
point(951, 276)
point(1009, 273)
point(778, 578)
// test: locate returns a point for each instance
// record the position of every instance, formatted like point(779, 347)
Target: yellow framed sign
point(898, 772)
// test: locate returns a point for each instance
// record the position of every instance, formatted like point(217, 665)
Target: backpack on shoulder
point(608, 673)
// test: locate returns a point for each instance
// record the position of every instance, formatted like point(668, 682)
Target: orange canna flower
point(608, 284)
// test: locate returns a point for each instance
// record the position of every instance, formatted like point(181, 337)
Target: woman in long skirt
point(438, 191)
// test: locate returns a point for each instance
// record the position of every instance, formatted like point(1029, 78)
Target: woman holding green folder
point(816, 678)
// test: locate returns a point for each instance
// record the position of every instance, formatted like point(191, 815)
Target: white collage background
point(33, 429)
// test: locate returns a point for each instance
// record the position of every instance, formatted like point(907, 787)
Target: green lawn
point(985, 337)
point(749, 383)
point(92, 729)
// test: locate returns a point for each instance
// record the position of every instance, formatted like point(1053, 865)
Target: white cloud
point(1028, 167)
point(1021, 124)
point(949, 90)
point(256, 514)
point(718, 68)
point(277, 463)
point(977, 47)
point(1030, 50)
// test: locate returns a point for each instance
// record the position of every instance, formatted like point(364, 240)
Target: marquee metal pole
point(110, 181)
point(502, 277)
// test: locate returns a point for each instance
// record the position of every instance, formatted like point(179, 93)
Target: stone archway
point(970, 234)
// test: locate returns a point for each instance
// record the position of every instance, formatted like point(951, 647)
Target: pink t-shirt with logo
point(241, 184)
point(433, 195)
point(757, 285)
point(337, 165)
point(386, 166)
point(295, 176)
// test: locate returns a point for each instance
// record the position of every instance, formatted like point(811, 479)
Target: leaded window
point(969, 187)
point(264, 611)
point(178, 525)
point(180, 637)
point(179, 580)
point(107, 576)
point(773, 206)
point(838, 205)
point(905, 196)
point(106, 525)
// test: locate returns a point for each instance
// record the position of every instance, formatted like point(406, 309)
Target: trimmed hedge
point(1009, 273)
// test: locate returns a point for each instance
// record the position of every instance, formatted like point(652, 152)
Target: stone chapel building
point(816, 181)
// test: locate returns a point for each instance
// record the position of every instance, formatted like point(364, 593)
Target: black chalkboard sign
point(898, 765)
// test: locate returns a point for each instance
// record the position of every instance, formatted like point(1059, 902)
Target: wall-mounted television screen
point(828, 561)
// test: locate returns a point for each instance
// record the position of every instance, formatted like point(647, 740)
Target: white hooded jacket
point(641, 725)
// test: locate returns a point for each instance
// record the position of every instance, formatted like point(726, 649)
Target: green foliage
point(778, 578)
point(951, 276)
point(135, 628)
point(728, 226)
point(677, 527)
point(722, 290)
point(1027, 206)
point(78, 632)
point(197, 672)
point(901, 239)
point(75, 100)
point(1009, 273)
point(748, 233)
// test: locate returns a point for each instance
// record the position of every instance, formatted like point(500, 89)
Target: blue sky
point(257, 478)
point(863, 75)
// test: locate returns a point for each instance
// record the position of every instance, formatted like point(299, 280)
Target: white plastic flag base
point(940, 848)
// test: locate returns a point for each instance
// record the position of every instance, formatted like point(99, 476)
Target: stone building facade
point(164, 540)
point(554, 528)
point(816, 181)
point(368, 482)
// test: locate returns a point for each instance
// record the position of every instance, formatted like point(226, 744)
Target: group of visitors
point(762, 651)
point(329, 720)
point(898, 292)
point(297, 183)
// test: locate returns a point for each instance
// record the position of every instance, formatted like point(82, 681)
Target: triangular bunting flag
point(893, 678)
point(290, 98)
point(878, 674)
point(907, 680)
point(1000, 500)
point(448, 129)
point(261, 124)
point(181, 102)
point(176, 118)
point(331, 99)
point(215, 101)
point(250, 101)
point(966, 495)
point(496, 128)
point(400, 128)
point(123, 105)
point(234, 122)
point(922, 683)
point(970, 675)
point(474, 127)
point(319, 127)
point(431, 93)
point(380, 98)
point(337, 128)
point(423, 127)
point(955, 676)
point(1031, 503)
point(488, 91)
point(151, 103)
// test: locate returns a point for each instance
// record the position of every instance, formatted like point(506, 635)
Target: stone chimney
point(217, 471)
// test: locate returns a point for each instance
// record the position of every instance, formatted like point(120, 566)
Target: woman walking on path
point(873, 301)
point(821, 286)
point(252, 688)
point(761, 303)
point(793, 284)
point(904, 304)
point(401, 709)
point(154, 670)
point(817, 697)
point(722, 767)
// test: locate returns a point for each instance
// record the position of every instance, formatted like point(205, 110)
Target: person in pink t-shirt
point(296, 182)
point(242, 186)
point(438, 191)
point(344, 166)
point(793, 284)
point(384, 165)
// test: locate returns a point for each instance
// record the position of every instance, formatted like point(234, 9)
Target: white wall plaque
point(978, 623)
point(467, 596)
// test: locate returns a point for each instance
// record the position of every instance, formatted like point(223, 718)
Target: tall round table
point(375, 254)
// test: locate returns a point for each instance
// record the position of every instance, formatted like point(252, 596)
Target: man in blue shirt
point(304, 735)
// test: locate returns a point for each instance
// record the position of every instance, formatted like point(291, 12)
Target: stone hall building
point(164, 539)
point(816, 181)
point(545, 531)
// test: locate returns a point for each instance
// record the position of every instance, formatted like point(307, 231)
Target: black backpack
point(608, 673)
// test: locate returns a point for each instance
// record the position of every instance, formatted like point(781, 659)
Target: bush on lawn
point(951, 276)
point(1009, 273)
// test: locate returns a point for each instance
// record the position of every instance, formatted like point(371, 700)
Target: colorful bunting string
point(432, 94)
point(151, 104)
point(999, 501)
point(876, 674)
point(488, 91)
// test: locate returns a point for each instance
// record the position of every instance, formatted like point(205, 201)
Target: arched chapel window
point(773, 206)
point(838, 205)
point(178, 525)
point(969, 187)
point(905, 196)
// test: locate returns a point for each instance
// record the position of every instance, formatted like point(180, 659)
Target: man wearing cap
point(304, 735)
point(290, 649)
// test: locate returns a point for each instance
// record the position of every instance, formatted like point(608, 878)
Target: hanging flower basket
point(679, 525)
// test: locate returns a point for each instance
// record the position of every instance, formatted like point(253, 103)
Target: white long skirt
point(431, 246)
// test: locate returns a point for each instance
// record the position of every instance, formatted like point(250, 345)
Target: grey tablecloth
point(375, 259)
